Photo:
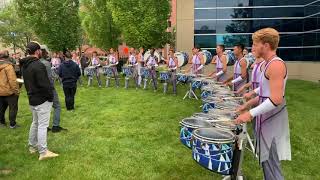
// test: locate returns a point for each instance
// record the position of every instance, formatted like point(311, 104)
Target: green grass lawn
point(134, 134)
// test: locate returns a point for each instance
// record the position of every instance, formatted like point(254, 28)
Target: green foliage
point(55, 22)
point(14, 32)
point(98, 24)
point(142, 22)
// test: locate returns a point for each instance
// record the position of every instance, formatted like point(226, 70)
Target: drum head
point(182, 58)
point(195, 123)
point(225, 125)
point(214, 135)
point(207, 56)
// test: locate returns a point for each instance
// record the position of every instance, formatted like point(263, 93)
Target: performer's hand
point(214, 76)
point(247, 96)
point(243, 118)
point(228, 84)
point(241, 109)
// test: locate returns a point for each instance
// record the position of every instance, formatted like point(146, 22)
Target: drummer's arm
point(224, 62)
point(244, 87)
point(201, 59)
point(243, 69)
point(214, 59)
point(176, 62)
point(253, 102)
point(228, 80)
point(201, 62)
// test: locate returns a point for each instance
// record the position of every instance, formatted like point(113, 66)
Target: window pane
point(205, 3)
point(290, 54)
point(312, 9)
point(311, 39)
point(205, 41)
point(205, 27)
point(291, 40)
point(312, 23)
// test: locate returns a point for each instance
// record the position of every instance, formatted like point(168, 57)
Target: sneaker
point(48, 129)
point(14, 127)
point(32, 150)
point(56, 129)
point(48, 154)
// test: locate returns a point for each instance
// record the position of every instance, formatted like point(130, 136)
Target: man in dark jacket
point(56, 102)
point(84, 61)
point(69, 72)
point(40, 94)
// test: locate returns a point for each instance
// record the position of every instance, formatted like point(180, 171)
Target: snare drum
point(145, 72)
point(187, 127)
point(190, 77)
point(206, 92)
point(212, 148)
point(127, 70)
point(228, 125)
point(196, 83)
point(207, 105)
point(164, 75)
point(182, 78)
point(90, 71)
point(107, 71)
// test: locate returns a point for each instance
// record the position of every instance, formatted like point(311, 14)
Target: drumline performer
point(96, 63)
point(140, 65)
point(152, 63)
point(133, 62)
point(221, 64)
point(272, 125)
point(240, 69)
point(172, 63)
point(197, 61)
point(76, 59)
point(113, 62)
point(257, 68)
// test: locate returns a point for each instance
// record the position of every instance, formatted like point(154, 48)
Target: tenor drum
point(212, 148)
point(187, 127)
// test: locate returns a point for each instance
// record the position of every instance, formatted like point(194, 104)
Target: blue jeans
point(57, 109)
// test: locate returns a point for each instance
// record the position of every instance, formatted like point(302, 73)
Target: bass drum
point(147, 54)
point(182, 58)
point(231, 58)
point(207, 56)
point(250, 59)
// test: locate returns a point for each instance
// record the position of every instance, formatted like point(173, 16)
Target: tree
point(13, 30)
point(55, 22)
point(98, 24)
point(238, 26)
point(142, 22)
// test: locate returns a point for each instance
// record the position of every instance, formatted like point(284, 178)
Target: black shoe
point(14, 127)
point(56, 129)
point(48, 129)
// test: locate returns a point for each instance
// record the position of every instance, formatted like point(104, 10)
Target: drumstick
point(221, 121)
point(227, 98)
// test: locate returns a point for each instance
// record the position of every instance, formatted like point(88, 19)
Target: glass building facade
point(233, 21)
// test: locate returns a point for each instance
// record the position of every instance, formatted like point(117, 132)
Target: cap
point(32, 47)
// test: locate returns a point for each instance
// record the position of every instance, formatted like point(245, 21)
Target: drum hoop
point(192, 126)
point(213, 141)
